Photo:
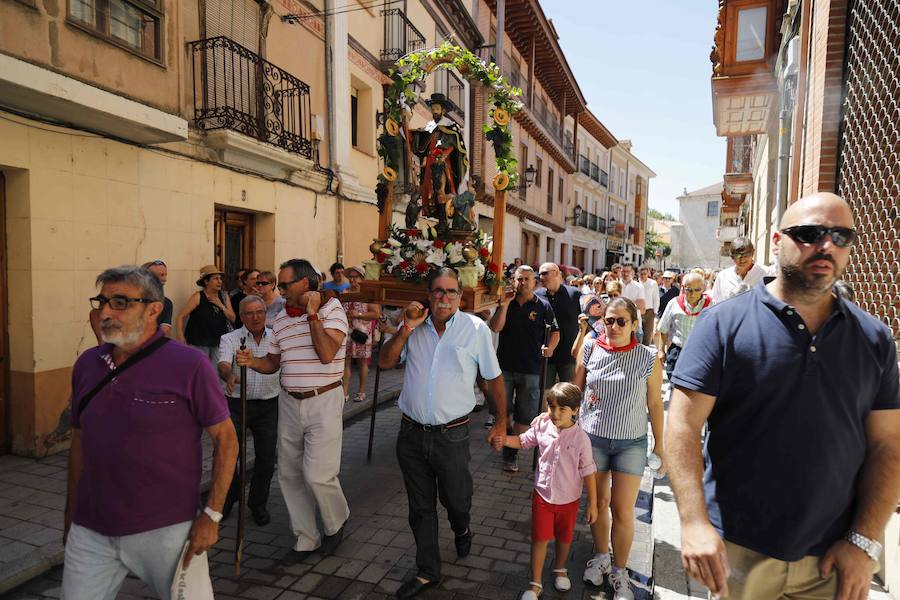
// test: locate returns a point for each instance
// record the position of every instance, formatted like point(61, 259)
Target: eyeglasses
point(740, 255)
point(693, 290)
point(253, 314)
point(620, 321)
point(116, 302)
point(156, 263)
point(262, 283)
point(813, 234)
point(285, 285)
point(440, 292)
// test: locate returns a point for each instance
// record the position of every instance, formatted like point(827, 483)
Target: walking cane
point(534, 456)
point(239, 539)
point(374, 400)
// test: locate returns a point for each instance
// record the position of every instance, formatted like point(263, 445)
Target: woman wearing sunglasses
point(622, 382)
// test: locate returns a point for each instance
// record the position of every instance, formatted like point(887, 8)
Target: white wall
point(698, 246)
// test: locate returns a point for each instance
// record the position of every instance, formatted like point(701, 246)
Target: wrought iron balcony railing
point(595, 172)
point(601, 224)
point(583, 219)
point(400, 37)
point(235, 88)
point(592, 222)
point(604, 178)
point(585, 166)
point(446, 82)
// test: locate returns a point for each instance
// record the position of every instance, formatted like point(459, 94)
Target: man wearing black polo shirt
point(566, 304)
point(520, 320)
point(800, 390)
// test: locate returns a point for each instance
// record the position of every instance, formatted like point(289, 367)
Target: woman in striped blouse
point(622, 382)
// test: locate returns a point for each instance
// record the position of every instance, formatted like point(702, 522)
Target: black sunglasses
point(287, 284)
point(620, 321)
point(262, 283)
point(813, 234)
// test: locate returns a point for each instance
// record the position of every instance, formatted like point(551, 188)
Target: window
point(550, 191)
point(540, 169)
point(133, 24)
point(612, 179)
point(751, 35)
point(523, 165)
point(562, 189)
point(712, 208)
point(622, 183)
point(354, 117)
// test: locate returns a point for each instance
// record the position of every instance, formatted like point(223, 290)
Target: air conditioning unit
point(792, 57)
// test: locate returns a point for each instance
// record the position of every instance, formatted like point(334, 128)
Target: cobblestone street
point(378, 551)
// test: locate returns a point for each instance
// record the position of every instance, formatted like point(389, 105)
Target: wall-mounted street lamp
point(576, 214)
point(530, 174)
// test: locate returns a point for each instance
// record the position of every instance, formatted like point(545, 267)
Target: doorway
point(234, 243)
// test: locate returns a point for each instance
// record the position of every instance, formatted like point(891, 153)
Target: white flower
point(394, 243)
point(392, 262)
point(454, 253)
point(422, 244)
point(386, 251)
point(436, 257)
point(480, 266)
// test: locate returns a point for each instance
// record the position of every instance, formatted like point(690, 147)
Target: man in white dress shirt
point(742, 276)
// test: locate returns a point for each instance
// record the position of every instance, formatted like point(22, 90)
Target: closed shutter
point(235, 19)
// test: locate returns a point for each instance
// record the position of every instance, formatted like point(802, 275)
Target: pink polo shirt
point(565, 459)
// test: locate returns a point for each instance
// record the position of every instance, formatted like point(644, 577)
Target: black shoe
point(413, 587)
point(463, 544)
point(260, 515)
point(331, 542)
point(294, 557)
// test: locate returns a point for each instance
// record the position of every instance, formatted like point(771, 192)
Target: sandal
point(531, 594)
point(359, 397)
point(561, 583)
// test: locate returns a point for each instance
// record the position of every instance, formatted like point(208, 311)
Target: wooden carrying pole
point(499, 218)
point(239, 538)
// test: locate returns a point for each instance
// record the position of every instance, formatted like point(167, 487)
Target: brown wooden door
point(4, 343)
point(234, 243)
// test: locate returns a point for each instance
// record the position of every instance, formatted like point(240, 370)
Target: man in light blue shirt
point(443, 353)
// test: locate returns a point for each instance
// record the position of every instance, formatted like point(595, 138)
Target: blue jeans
point(622, 456)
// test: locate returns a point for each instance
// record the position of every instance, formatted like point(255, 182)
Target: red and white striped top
point(301, 369)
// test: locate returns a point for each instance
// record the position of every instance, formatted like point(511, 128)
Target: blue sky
point(643, 66)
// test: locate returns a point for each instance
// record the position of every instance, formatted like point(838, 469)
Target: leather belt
point(315, 392)
point(454, 423)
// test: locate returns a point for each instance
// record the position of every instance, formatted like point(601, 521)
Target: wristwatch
point(214, 516)
point(871, 547)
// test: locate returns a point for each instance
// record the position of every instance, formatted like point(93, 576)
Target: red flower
point(493, 268)
point(483, 252)
point(405, 264)
point(438, 244)
point(422, 268)
point(381, 258)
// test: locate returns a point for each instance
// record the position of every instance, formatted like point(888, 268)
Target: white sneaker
point(596, 568)
point(618, 579)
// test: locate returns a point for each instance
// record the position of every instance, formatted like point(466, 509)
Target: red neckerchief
point(294, 311)
point(604, 343)
point(682, 302)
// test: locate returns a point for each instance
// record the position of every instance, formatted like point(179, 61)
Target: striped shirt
point(260, 386)
point(301, 369)
point(615, 393)
point(677, 324)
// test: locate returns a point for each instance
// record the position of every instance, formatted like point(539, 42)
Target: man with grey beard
point(140, 403)
point(800, 391)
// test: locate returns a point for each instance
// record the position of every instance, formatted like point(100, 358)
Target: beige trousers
point(755, 576)
point(310, 432)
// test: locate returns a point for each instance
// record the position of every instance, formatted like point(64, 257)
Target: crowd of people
point(793, 388)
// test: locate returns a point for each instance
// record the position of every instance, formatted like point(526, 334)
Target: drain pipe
point(329, 98)
point(785, 121)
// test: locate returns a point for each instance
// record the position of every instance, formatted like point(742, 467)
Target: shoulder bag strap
point(132, 360)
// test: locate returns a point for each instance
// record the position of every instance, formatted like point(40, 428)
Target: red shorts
point(549, 521)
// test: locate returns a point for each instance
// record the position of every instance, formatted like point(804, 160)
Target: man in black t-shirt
point(164, 320)
point(566, 304)
point(521, 320)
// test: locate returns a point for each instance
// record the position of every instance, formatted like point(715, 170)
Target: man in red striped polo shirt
point(308, 346)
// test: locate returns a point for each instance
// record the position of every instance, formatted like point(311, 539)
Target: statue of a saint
point(443, 159)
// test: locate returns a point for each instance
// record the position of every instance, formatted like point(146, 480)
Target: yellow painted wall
point(77, 204)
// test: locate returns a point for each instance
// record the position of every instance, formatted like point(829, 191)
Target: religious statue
point(461, 211)
point(443, 158)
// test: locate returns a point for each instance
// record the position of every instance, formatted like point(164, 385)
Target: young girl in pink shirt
point(564, 464)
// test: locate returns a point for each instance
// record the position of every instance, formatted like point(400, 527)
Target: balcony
point(447, 83)
point(595, 172)
point(726, 234)
point(400, 37)
point(745, 48)
point(582, 219)
point(604, 178)
point(585, 167)
point(738, 170)
point(545, 127)
point(235, 89)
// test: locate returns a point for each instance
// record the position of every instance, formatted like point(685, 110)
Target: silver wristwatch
point(214, 516)
point(871, 547)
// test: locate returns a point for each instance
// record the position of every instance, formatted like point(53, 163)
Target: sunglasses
point(287, 284)
point(740, 255)
point(620, 321)
point(813, 234)
point(262, 283)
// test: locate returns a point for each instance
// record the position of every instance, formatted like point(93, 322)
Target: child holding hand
point(565, 463)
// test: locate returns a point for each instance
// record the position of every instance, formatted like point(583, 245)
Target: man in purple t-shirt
point(134, 465)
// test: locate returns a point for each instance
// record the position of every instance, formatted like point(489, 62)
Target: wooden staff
point(544, 359)
point(239, 539)
point(374, 400)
